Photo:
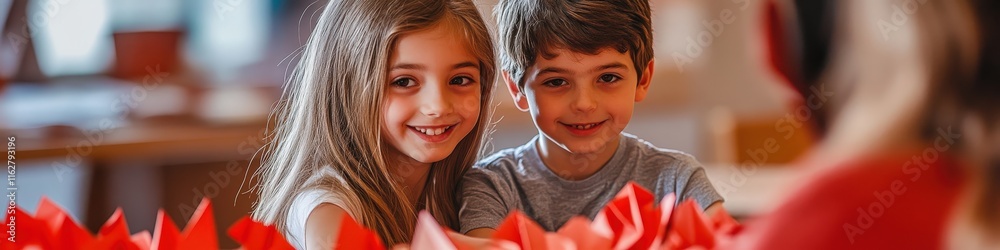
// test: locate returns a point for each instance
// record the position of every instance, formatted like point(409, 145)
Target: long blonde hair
point(329, 117)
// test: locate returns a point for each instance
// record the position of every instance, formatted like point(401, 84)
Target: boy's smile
point(583, 129)
point(581, 102)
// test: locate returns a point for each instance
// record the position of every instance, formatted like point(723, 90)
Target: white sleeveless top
point(303, 204)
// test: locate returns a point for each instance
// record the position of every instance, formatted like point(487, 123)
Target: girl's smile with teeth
point(437, 130)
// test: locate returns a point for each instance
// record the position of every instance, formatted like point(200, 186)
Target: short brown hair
point(528, 28)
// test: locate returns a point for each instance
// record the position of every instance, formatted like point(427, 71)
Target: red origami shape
point(253, 235)
point(579, 231)
point(115, 235)
point(66, 233)
point(165, 233)
point(431, 235)
point(354, 236)
point(198, 234)
point(30, 231)
point(689, 228)
point(521, 231)
point(724, 224)
point(200, 230)
point(632, 218)
point(143, 240)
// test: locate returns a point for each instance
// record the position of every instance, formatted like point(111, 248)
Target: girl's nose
point(436, 101)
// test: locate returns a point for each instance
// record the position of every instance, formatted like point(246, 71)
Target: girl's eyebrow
point(408, 66)
point(415, 66)
point(466, 65)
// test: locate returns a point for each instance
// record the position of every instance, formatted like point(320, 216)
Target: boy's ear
point(647, 78)
point(520, 101)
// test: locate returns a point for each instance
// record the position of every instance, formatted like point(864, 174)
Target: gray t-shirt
point(516, 179)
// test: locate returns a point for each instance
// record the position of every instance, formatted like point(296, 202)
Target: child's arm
point(715, 208)
point(712, 209)
point(486, 200)
point(323, 226)
point(471, 240)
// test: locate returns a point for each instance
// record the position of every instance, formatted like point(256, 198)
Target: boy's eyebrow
point(614, 65)
point(551, 70)
point(421, 67)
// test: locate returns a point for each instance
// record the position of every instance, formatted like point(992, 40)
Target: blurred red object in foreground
point(630, 221)
point(53, 228)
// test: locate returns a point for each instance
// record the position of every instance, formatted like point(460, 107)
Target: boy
point(577, 67)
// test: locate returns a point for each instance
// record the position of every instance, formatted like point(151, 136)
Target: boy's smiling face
point(581, 102)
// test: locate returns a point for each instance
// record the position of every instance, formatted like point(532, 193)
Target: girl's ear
point(647, 78)
point(519, 99)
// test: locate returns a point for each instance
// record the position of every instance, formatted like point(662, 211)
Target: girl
point(380, 120)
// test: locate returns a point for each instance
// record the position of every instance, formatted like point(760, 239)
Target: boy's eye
point(461, 81)
point(554, 83)
point(404, 83)
point(609, 78)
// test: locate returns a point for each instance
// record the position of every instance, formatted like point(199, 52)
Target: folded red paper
point(354, 236)
point(631, 220)
point(689, 228)
point(53, 228)
point(165, 234)
point(114, 234)
point(522, 231)
point(253, 235)
point(66, 233)
point(30, 232)
point(430, 235)
point(579, 230)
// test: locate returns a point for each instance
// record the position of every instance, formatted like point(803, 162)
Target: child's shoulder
point(497, 159)
point(506, 164)
point(504, 158)
point(651, 156)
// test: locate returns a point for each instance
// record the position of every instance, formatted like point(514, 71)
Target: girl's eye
point(404, 83)
point(554, 83)
point(461, 81)
point(609, 78)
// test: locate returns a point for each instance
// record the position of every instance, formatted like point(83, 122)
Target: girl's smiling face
point(433, 94)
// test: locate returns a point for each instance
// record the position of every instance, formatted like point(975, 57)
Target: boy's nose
point(586, 100)
point(436, 101)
